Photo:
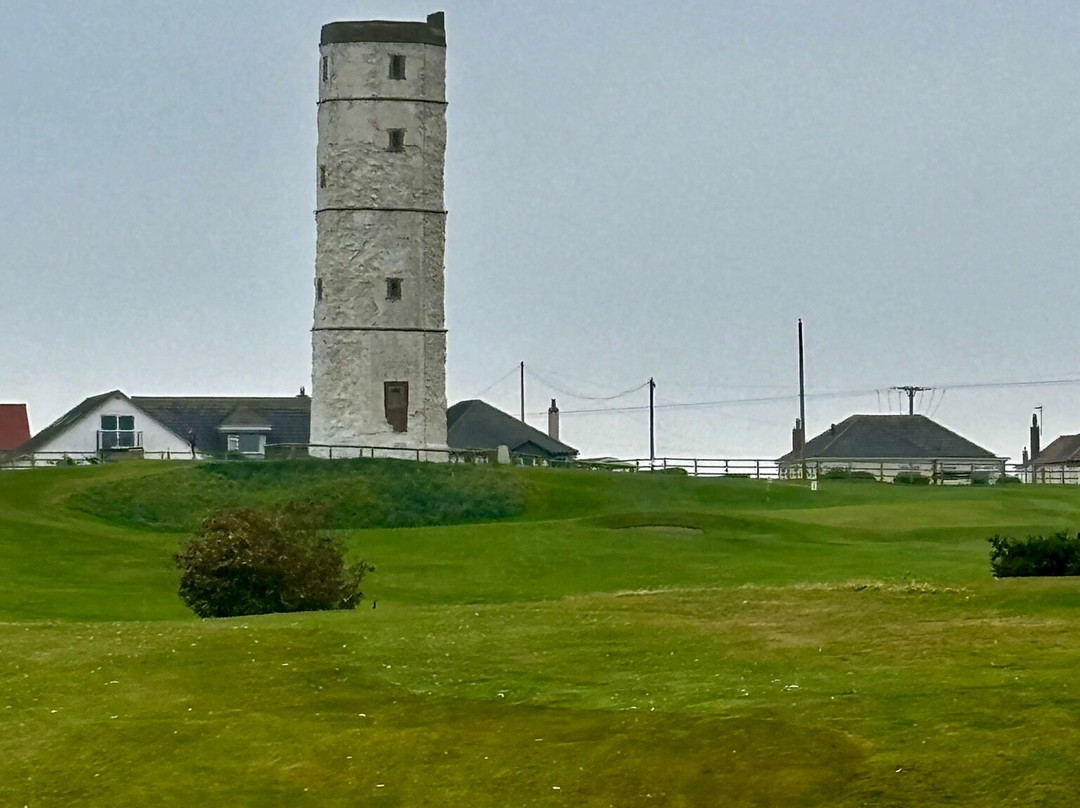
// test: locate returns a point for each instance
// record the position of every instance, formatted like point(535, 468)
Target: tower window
point(393, 288)
point(322, 176)
point(396, 405)
point(318, 288)
point(396, 140)
point(397, 66)
point(325, 68)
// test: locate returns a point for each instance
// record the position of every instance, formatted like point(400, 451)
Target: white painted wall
point(80, 439)
point(362, 240)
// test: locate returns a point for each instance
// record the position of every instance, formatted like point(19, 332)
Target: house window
point(325, 68)
point(397, 66)
point(393, 288)
point(396, 140)
point(322, 176)
point(396, 404)
point(245, 443)
point(117, 432)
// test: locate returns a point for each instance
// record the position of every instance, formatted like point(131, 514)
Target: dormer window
point(397, 66)
point(118, 432)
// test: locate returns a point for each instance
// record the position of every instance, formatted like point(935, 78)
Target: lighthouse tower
point(378, 340)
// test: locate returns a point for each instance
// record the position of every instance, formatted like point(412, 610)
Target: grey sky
point(635, 189)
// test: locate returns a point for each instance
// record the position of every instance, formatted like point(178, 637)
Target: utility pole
point(652, 423)
point(802, 405)
point(911, 390)
point(522, 392)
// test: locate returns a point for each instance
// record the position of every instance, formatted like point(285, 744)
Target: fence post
point(757, 469)
point(695, 467)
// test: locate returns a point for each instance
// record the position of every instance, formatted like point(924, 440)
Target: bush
point(846, 474)
point(1005, 479)
point(1057, 554)
point(907, 478)
point(242, 562)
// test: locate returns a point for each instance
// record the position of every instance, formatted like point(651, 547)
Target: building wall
point(948, 472)
point(379, 216)
point(80, 440)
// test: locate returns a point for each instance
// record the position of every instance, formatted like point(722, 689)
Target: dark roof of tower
point(1065, 449)
point(889, 436)
point(475, 424)
point(431, 32)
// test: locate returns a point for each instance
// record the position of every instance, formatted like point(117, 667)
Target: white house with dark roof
point(113, 426)
point(889, 445)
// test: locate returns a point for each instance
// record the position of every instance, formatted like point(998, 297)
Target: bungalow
point(889, 445)
point(1059, 462)
point(113, 426)
point(476, 425)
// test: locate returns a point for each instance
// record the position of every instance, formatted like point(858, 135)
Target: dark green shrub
point(1056, 554)
point(243, 561)
point(1005, 479)
point(908, 478)
point(846, 474)
point(980, 478)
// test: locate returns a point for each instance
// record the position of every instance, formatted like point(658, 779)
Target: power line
point(829, 395)
point(556, 388)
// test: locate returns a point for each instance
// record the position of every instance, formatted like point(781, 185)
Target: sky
point(635, 190)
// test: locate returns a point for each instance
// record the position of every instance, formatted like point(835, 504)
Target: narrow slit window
point(325, 68)
point(397, 66)
point(318, 288)
point(322, 176)
point(393, 288)
point(396, 405)
point(396, 140)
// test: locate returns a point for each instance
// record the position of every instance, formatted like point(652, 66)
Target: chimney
point(798, 438)
point(1034, 438)
point(553, 421)
point(832, 429)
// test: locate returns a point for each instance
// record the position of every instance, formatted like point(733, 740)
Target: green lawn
point(611, 640)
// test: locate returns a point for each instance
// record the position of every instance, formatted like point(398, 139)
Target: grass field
point(607, 640)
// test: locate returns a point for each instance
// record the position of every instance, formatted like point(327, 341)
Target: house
point(888, 445)
point(1059, 462)
point(113, 426)
point(14, 426)
point(476, 425)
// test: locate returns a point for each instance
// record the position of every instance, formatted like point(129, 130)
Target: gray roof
point(289, 418)
point(475, 424)
point(1065, 449)
point(889, 437)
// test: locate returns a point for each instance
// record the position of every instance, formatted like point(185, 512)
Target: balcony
point(119, 440)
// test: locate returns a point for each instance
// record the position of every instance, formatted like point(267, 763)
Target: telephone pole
point(802, 406)
point(652, 427)
point(523, 392)
point(911, 390)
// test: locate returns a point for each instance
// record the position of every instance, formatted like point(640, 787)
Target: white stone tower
point(378, 340)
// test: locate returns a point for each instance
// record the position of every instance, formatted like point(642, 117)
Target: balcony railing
point(118, 440)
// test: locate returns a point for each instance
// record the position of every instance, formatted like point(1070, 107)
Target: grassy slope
point(727, 658)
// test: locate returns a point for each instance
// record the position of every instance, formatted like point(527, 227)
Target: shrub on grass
point(1056, 554)
point(847, 474)
point(908, 478)
point(1005, 479)
point(243, 561)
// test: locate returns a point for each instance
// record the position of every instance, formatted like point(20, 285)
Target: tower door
point(396, 404)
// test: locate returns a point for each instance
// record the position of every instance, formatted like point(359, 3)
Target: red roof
point(14, 426)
